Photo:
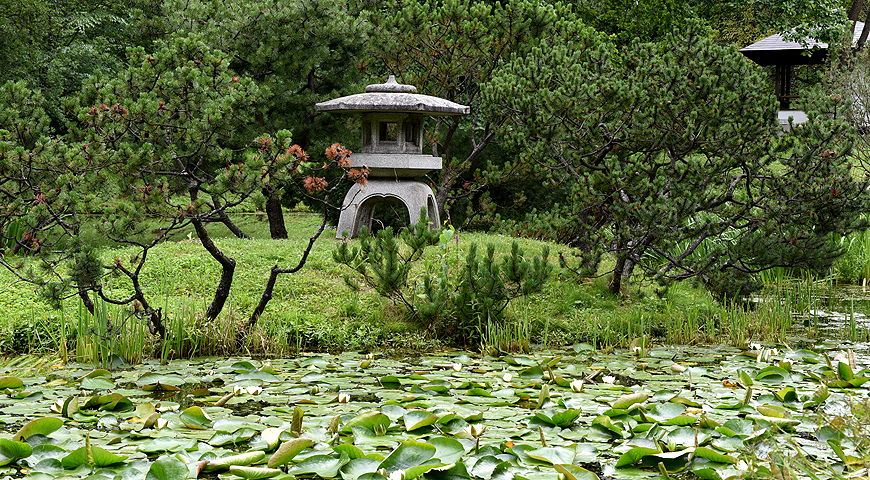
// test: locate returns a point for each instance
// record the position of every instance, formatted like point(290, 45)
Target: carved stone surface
point(392, 150)
point(396, 165)
point(360, 201)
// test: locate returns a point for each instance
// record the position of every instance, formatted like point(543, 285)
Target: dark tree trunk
point(855, 11)
point(86, 300)
point(615, 285)
point(228, 268)
point(276, 217)
point(225, 219)
point(863, 39)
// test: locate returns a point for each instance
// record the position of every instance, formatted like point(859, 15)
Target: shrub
point(456, 299)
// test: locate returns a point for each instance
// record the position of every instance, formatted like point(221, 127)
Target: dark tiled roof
point(774, 50)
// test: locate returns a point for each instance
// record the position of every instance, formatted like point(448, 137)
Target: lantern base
point(359, 203)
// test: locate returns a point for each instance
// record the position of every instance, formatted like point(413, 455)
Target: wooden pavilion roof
point(774, 50)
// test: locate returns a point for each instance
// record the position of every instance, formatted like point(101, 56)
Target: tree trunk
point(86, 300)
point(225, 219)
point(277, 229)
point(855, 11)
point(863, 39)
point(615, 285)
point(228, 268)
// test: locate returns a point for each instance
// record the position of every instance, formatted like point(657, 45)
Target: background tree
point(55, 45)
point(670, 153)
point(449, 49)
point(299, 53)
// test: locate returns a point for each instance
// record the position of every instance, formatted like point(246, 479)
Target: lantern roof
point(393, 97)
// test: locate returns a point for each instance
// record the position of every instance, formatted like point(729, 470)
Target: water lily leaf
point(97, 383)
point(553, 455)
point(713, 455)
point(167, 468)
point(485, 466)
point(786, 394)
point(687, 437)
point(111, 402)
point(193, 417)
point(414, 472)
point(10, 382)
point(634, 455)
point(288, 450)
point(858, 381)
point(478, 392)
point(243, 366)
point(415, 419)
point(685, 401)
point(783, 423)
point(390, 381)
point(737, 427)
point(681, 420)
point(533, 374)
point(40, 426)
point(575, 472)
point(271, 436)
point(259, 376)
point(607, 424)
point(155, 378)
point(11, 450)
point(626, 401)
point(167, 444)
point(707, 473)
point(457, 472)
point(447, 450)
point(358, 466)
point(224, 463)
point(503, 471)
point(370, 420)
point(663, 412)
point(325, 466)
point(99, 372)
point(772, 374)
point(100, 457)
point(160, 387)
point(408, 454)
point(364, 436)
point(745, 379)
point(439, 386)
point(352, 451)
point(844, 371)
point(254, 472)
point(560, 419)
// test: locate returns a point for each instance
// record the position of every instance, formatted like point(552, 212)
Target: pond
point(577, 414)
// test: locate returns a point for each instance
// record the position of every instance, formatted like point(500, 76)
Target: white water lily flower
point(507, 376)
point(457, 366)
point(58, 406)
point(160, 423)
point(343, 397)
point(677, 368)
point(397, 475)
point(577, 386)
point(609, 379)
point(475, 430)
point(254, 390)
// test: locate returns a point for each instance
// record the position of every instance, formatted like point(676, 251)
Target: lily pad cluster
point(578, 414)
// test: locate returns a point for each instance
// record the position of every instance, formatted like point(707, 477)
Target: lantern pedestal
point(359, 203)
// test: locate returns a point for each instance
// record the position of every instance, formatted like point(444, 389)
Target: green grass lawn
point(314, 309)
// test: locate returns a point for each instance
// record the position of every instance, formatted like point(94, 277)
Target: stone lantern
point(392, 150)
